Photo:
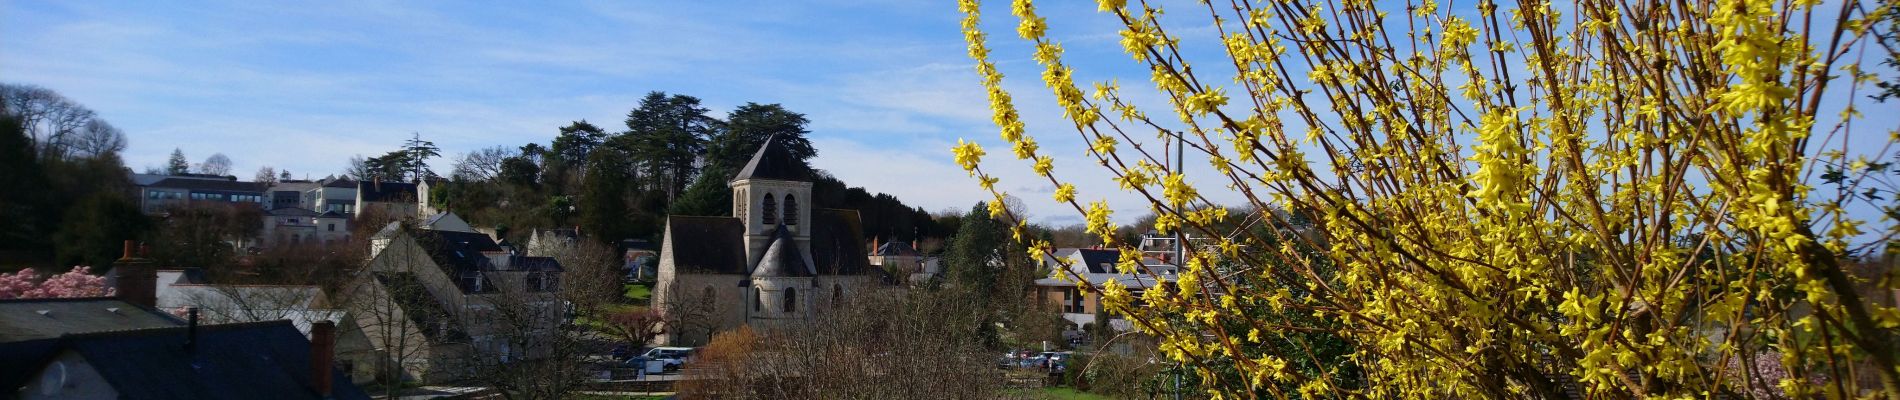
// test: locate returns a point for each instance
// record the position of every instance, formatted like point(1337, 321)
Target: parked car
point(671, 358)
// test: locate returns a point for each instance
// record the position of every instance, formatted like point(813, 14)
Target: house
point(290, 194)
point(333, 195)
point(1068, 268)
point(304, 306)
point(771, 264)
point(548, 242)
point(293, 225)
point(901, 260)
point(231, 361)
point(393, 199)
point(436, 302)
point(160, 194)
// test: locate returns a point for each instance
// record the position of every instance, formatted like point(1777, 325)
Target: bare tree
point(216, 164)
point(98, 138)
point(522, 348)
point(592, 279)
point(687, 317)
point(482, 164)
point(890, 344)
point(265, 175)
point(52, 121)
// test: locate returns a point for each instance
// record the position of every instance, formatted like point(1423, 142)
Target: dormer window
point(768, 210)
point(791, 210)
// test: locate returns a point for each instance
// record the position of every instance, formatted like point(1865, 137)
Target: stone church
point(774, 262)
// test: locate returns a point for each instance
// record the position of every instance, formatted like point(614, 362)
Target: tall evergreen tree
point(667, 134)
point(177, 165)
point(746, 129)
point(417, 153)
point(603, 202)
point(976, 261)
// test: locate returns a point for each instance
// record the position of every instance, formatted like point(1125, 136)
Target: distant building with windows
point(1069, 267)
point(301, 226)
point(157, 193)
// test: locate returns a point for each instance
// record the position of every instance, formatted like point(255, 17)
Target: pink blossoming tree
point(31, 284)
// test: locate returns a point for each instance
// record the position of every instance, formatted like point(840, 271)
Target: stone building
point(774, 262)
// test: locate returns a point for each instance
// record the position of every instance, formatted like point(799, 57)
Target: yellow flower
point(1043, 165)
point(1065, 193)
point(968, 155)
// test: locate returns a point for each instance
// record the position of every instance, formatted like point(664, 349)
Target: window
point(758, 302)
point(769, 210)
point(333, 227)
point(293, 221)
point(1072, 301)
point(791, 300)
point(473, 281)
point(791, 210)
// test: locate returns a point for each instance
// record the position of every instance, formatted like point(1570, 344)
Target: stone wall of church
point(704, 303)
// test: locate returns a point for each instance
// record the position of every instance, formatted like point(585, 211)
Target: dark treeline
point(68, 192)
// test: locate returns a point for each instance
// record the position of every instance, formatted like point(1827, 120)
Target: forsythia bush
point(1613, 200)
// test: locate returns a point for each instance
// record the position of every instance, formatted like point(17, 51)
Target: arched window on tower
point(791, 210)
point(769, 210)
point(758, 301)
point(791, 300)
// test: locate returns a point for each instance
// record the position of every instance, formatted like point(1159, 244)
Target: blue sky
point(305, 86)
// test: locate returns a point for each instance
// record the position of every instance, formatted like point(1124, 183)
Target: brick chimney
point(136, 279)
point(322, 356)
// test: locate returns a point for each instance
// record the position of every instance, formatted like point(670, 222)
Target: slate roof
point(386, 191)
point(458, 252)
point(262, 360)
point(836, 242)
point(421, 308)
point(1099, 261)
point(29, 319)
point(340, 184)
point(706, 245)
point(897, 249)
point(529, 263)
point(209, 185)
point(772, 162)
point(782, 258)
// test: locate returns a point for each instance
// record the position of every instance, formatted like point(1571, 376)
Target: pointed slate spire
point(772, 162)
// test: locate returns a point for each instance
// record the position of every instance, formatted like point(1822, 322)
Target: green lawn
point(639, 293)
point(1052, 393)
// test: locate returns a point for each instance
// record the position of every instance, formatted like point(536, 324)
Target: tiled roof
point(707, 245)
point(263, 360)
point(1099, 261)
point(28, 319)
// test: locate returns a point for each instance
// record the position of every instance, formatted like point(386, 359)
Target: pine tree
point(177, 165)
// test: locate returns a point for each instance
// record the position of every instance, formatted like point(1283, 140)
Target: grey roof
point(1100, 261)
point(782, 258)
point(706, 245)
point(340, 183)
point(209, 185)
point(28, 319)
point(231, 361)
point(532, 263)
point(899, 249)
point(386, 191)
point(772, 162)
